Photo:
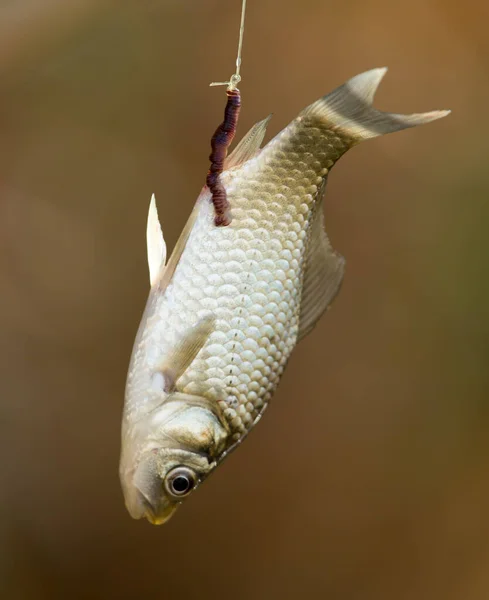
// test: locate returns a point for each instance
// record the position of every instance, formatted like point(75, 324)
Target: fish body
point(225, 313)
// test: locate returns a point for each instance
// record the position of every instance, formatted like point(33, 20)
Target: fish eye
point(180, 481)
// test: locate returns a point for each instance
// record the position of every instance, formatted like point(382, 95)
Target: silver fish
point(227, 309)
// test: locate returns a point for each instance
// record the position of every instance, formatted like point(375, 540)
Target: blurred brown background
point(368, 477)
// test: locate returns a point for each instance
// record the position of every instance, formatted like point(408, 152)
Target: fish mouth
point(160, 517)
point(139, 507)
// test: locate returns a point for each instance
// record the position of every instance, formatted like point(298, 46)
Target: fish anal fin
point(183, 353)
point(248, 146)
point(323, 275)
point(155, 243)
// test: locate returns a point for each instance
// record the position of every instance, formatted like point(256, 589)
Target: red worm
point(220, 143)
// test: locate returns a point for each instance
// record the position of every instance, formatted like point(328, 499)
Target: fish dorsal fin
point(183, 353)
point(322, 276)
point(155, 243)
point(248, 146)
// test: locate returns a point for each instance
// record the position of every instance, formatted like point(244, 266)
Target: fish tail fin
point(349, 109)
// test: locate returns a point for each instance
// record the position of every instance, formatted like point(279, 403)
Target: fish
point(228, 307)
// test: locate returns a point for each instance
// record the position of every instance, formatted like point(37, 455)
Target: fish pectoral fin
point(155, 243)
point(174, 365)
point(323, 275)
point(248, 146)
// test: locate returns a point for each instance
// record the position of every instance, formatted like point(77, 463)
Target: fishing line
point(236, 77)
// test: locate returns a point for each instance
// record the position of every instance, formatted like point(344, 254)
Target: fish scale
point(249, 276)
point(226, 311)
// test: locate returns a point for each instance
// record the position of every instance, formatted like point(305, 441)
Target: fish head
point(181, 447)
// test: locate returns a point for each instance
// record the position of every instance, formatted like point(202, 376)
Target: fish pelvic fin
point(155, 243)
point(248, 146)
point(174, 364)
point(349, 109)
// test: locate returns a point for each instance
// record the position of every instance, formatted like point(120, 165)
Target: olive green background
point(368, 476)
